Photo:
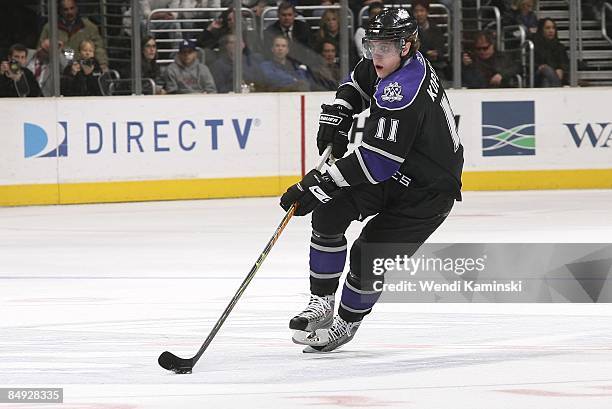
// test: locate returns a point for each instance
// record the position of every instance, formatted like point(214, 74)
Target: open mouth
point(378, 66)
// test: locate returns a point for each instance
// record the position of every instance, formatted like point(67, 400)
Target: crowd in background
point(483, 66)
point(293, 54)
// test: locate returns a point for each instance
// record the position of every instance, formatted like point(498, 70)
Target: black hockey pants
point(401, 215)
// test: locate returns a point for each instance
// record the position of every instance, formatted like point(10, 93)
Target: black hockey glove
point(313, 190)
point(334, 124)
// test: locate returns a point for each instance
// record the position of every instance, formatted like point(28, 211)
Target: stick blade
point(171, 362)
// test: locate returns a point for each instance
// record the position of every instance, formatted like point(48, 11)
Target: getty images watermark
point(411, 266)
point(484, 272)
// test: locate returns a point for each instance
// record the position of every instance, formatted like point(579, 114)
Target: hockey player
point(406, 173)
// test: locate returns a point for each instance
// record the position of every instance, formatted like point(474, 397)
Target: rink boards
point(87, 150)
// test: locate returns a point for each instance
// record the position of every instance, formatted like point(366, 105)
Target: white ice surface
point(91, 295)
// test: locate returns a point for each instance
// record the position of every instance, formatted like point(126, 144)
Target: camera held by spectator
point(15, 79)
point(14, 67)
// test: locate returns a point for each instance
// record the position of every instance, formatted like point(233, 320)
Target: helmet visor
point(381, 48)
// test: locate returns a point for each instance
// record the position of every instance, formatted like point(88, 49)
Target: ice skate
point(318, 314)
point(328, 339)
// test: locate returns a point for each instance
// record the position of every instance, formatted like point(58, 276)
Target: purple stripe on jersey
point(358, 301)
point(380, 167)
point(322, 262)
point(398, 90)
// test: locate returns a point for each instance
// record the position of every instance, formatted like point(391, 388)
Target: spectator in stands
point(329, 28)
point(374, 9)
point(224, 25)
point(219, 27)
point(505, 7)
point(319, 12)
point(357, 5)
point(223, 68)
point(297, 32)
point(147, 7)
point(73, 29)
point(551, 59)
point(164, 21)
point(15, 79)
point(484, 67)
point(81, 76)
point(326, 75)
point(197, 4)
point(523, 15)
point(258, 7)
point(329, 31)
point(39, 64)
point(282, 73)
point(150, 68)
point(169, 20)
point(432, 38)
point(186, 75)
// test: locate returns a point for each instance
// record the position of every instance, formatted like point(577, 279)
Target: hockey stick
point(178, 365)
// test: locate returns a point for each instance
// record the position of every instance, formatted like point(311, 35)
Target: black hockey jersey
point(410, 132)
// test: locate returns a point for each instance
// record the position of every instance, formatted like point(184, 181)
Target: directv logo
point(36, 143)
point(508, 128)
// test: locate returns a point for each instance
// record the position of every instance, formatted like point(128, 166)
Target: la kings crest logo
point(392, 92)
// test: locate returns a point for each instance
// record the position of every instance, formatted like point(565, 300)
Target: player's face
point(385, 55)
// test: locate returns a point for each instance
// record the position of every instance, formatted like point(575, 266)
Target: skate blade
point(300, 337)
point(321, 349)
point(314, 350)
